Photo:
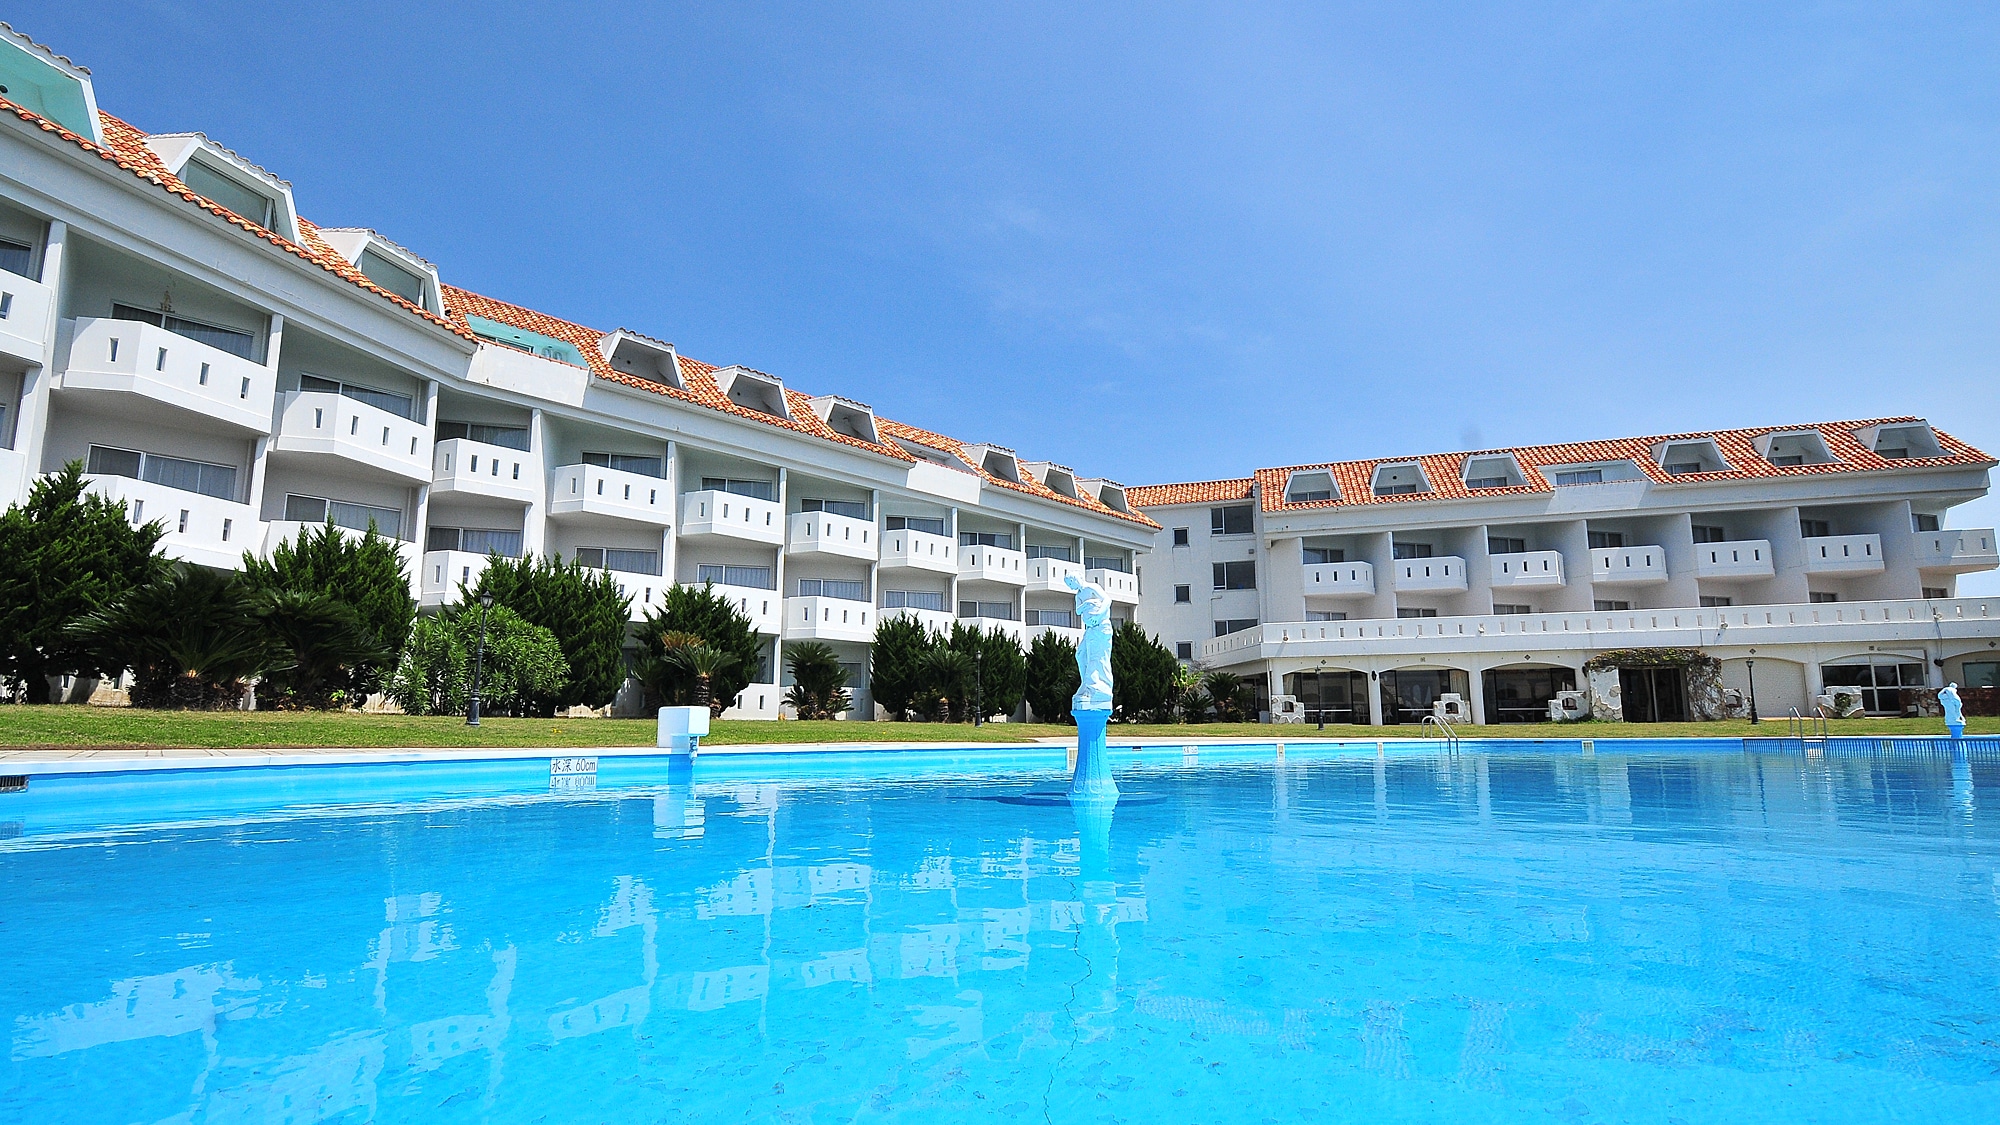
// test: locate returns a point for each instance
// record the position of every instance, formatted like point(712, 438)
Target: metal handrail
point(1446, 733)
point(1811, 726)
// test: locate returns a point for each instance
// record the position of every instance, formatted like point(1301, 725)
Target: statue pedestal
point(1093, 762)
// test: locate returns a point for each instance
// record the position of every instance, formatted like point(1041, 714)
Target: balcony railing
point(764, 608)
point(821, 533)
point(24, 317)
point(820, 618)
point(936, 620)
point(919, 550)
point(1528, 570)
point(1047, 575)
point(1628, 566)
point(979, 563)
point(1442, 574)
point(647, 591)
point(441, 573)
point(1844, 554)
point(199, 528)
point(326, 424)
point(1120, 587)
point(1958, 551)
point(584, 492)
point(1072, 635)
point(728, 515)
point(463, 467)
point(1013, 629)
point(132, 357)
point(1737, 560)
point(1340, 580)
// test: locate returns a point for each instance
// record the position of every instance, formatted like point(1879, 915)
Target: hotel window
point(1107, 562)
point(474, 540)
point(223, 191)
point(218, 481)
point(1184, 650)
point(1579, 476)
point(1236, 575)
point(913, 599)
point(1234, 625)
point(1232, 520)
point(1982, 673)
point(844, 589)
point(1705, 534)
point(402, 406)
point(991, 611)
point(506, 437)
point(1059, 553)
point(387, 274)
point(231, 340)
point(1512, 609)
point(1683, 468)
point(1183, 595)
point(1316, 556)
point(1503, 545)
point(1325, 615)
point(1416, 613)
point(1601, 539)
point(754, 577)
point(1935, 593)
point(1180, 537)
point(615, 558)
point(1822, 597)
point(1923, 521)
point(1710, 601)
point(1486, 482)
point(1410, 550)
point(1786, 460)
point(924, 524)
point(1000, 539)
point(760, 489)
point(17, 259)
point(629, 463)
point(1603, 606)
point(1815, 529)
point(387, 522)
point(853, 509)
point(1894, 453)
point(1061, 618)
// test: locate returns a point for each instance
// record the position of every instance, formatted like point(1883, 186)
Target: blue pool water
point(1531, 935)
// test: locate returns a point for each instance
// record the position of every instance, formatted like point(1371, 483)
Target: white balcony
point(726, 515)
point(324, 424)
point(1046, 576)
point(1844, 554)
point(1014, 629)
point(763, 607)
point(992, 564)
point(1735, 561)
point(1120, 587)
point(919, 550)
point(1959, 552)
point(595, 494)
point(817, 533)
point(757, 701)
point(441, 573)
point(647, 591)
point(131, 358)
point(287, 531)
point(463, 468)
point(199, 528)
point(1527, 570)
point(1443, 574)
point(936, 620)
point(1628, 566)
point(829, 619)
point(1073, 636)
point(24, 318)
point(1340, 580)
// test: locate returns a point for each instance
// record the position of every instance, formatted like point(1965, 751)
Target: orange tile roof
point(125, 147)
point(1355, 479)
point(702, 390)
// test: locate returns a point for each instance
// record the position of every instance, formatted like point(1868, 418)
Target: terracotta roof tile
point(1354, 480)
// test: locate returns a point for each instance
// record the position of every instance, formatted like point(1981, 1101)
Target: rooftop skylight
point(43, 82)
point(520, 339)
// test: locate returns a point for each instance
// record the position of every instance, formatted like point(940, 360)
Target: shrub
point(64, 554)
point(896, 664)
point(1228, 695)
point(701, 613)
point(819, 683)
point(191, 638)
point(582, 608)
point(1142, 675)
point(999, 674)
point(345, 646)
point(523, 663)
point(1052, 678)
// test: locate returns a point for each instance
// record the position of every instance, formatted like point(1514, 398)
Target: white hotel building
point(1823, 554)
point(228, 368)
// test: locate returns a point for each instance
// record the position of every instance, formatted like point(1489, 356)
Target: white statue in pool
point(1091, 705)
point(1954, 710)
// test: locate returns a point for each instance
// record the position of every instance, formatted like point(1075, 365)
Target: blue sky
point(1167, 242)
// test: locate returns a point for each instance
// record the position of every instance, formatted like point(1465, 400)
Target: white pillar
point(670, 541)
point(32, 427)
point(534, 523)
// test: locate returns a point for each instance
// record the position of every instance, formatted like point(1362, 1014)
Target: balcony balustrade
point(820, 533)
point(1340, 580)
point(354, 434)
point(1734, 561)
point(24, 318)
point(1628, 566)
point(117, 358)
point(200, 528)
point(1047, 575)
point(1844, 554)
point(1516, 570)
point(1120, 587)
point(919, 550)
point(818, 618)
point(979, 563)
point(936, 620)
point(764, 608)
point(727, 515)
point(1442, 574)
point(595, 494)
point(1959, 552)
point(442, 572)
point(462, 467)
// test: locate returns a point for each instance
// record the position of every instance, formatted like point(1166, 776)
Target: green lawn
point(24, 726)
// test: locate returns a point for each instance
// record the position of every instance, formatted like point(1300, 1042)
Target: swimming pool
point(1652, 933)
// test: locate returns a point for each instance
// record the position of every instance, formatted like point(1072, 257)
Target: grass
point(23, 727)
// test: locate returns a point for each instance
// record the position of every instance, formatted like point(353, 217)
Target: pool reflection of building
point(736, 942)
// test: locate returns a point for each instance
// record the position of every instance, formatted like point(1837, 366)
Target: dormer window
point(846, 417)
point(227, 180)
point(753, 390)
point(642, 357)
point(387, 265)
point(1686, 458)
point(930, 454)
point(387, 274)
point(1493, 471)
point(45, 83)
point(1901, 441)
point(218, 188)
point(1053, 477)
point(1799, 447)
point(1310, 488)
point(1108, 493)
point(522, 340)
point(1400, 479)
point(997, 461)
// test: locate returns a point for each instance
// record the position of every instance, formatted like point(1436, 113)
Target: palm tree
point(190, 638)
point(1224, 693)
point(704, 663)
point(819, 683)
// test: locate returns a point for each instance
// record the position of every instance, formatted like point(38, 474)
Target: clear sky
point(1168, 242)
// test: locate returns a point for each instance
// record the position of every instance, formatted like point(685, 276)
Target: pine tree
point(698, 611)
point(341, 602)
point(1053, 678)
point(582, 607)
point(896, 663)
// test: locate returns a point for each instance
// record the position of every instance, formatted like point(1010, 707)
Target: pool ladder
point(1446, 733)
point(1807, 728)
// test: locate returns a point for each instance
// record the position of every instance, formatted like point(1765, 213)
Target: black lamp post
point(978, 687)
point(478, 663)
point(1750, 666)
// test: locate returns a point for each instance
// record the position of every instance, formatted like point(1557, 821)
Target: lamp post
point(1750, 666)
point(978, 687)
point(478, 663)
